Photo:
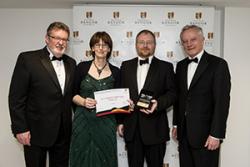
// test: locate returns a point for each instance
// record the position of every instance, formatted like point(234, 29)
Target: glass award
point(144, 100)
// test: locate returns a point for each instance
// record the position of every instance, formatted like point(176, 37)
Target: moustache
point(61, 47)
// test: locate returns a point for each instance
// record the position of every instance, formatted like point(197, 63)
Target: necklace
point(99, 70)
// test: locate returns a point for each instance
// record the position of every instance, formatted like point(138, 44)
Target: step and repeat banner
point(123, 22)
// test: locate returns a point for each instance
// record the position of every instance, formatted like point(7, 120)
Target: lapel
point(200, 69)
point(184, 70)
point(133, 73)
point(67, 73)
point(49, 67)
point(151, 73)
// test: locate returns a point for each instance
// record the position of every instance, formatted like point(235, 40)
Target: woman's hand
point(89, 103)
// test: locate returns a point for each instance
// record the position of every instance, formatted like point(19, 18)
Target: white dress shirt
point(192, 68)
point(142, 71)
point(59, 69)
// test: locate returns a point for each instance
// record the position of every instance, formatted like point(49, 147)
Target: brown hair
point(105, 37)
point(59, 26)
point(146, 32)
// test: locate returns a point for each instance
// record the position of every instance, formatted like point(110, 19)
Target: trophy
point(144, 100)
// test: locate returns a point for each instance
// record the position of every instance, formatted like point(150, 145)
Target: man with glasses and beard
point(40, 99)
point(146, 129)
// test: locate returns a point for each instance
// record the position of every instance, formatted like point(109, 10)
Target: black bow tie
point(57, 58)
point(143, 61)
point(195, 60)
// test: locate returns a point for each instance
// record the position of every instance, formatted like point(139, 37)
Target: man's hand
point(212, 143)
point(152, 109)
point(174, 133)
point(120, 130)
point(24, 138)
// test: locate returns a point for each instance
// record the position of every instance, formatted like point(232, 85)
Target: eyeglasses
point(142, 43)
point(191, 41)
point(59, 38)
point(104, 46)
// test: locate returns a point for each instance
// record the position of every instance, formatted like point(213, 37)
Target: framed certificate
point(112, 101)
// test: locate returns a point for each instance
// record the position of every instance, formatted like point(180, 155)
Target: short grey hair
point(188, 27)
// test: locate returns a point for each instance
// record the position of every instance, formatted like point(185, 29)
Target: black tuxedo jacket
point(204, 107)
point(36, 101)
point(154, 128)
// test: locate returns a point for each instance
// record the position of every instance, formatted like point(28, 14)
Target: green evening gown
point(93, 142)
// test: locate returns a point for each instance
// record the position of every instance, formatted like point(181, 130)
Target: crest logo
point(116, 15)
point(143, 15)
point(129, 34)
point(76, 34)
point(198, 15)
point(88, 53)
point(89, 14)
point(210, 35)
point(115, 53)
point(170, 15)
point(157, 34)
point(170, 54)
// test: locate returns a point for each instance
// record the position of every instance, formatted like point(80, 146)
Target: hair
point(146, 32)
point(58, 26)
point(188, 27)
point(105, 37)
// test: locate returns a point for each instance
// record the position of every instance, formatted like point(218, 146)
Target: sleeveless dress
point(93, 141)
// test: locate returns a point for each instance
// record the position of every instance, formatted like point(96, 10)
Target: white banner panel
point(123, 22)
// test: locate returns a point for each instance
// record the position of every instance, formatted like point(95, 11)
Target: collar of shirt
point(50, 53)
point(198, 56)
point(149, 60)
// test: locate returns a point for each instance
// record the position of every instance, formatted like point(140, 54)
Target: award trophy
point(144, 100)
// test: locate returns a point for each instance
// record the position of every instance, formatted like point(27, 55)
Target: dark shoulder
point(69, 59)
point(31, 54)
point(127, 62)
point(84, 65)
point(163, 63)
point(215, 59)
point(113, 68)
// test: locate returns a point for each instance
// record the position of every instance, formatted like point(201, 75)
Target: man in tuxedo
point(201, 111)
point(40, 98)
point(146, 130)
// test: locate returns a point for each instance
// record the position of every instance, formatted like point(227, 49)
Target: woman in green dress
point(93, 141)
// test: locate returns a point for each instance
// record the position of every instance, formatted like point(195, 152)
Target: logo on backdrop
point(170, 20)
point(88, 20)
point(170, 15)
point(128, 40)
point(198, 15)
point(209, 41)
point(157, 34)
point(116, 15)
point(143, 19)
point(89, 15)
point(76, 39)
point(170, 54)
point(210, 35)
point(116, 21)
point(76, 34)
point(88, 53)
point(115, 53)
point(198, 20)
point(129, 34)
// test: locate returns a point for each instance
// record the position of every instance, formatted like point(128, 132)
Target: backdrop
point(123, 22)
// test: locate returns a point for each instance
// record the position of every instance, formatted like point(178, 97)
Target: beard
point(58, 50)
point(145, 52)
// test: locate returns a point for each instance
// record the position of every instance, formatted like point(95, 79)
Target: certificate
point(112, 101)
